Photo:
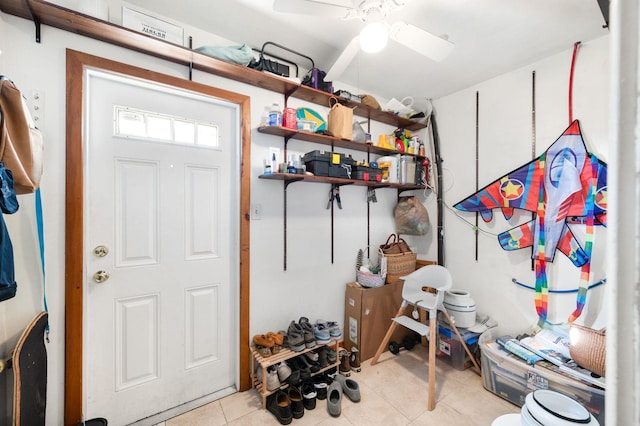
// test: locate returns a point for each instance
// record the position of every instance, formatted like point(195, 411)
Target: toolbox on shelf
point(332, 164)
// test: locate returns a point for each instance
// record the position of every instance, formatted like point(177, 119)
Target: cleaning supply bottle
point(275, 115)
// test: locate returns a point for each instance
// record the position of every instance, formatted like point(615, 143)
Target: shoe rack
point(282, 356)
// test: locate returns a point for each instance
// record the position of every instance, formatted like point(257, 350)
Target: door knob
point(100, 276)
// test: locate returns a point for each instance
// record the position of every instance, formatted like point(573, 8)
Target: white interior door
point(161, 327)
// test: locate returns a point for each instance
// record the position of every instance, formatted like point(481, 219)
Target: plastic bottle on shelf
point(264, 120)
point(275, 115)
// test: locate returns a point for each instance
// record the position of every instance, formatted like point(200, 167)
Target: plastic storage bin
point(511, 378)
point(451, 349)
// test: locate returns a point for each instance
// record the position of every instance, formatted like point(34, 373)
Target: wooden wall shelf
point(42, 12)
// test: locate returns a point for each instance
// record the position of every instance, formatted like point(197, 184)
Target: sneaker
point(297, 403)
point(321, 386)
point(273, 382)
point(345, 367)
point(354, 360)
point(309, 395)
point(279, 405)
point(313, 367)
point(332, 356)
point(284, 371)
point(294, 378)
point(297, 365)
point(334, 399)
point(349, 388)
point(331, 374)
point(334, 330)
point(313, 355)
point(285, 338)
point(295, 337)
point(322, 334)
point(322, 357)
point(259, 373)
point(309, 338)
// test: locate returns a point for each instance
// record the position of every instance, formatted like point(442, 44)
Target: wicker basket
point(370, 280)
point(399, 265)
point(587, 348)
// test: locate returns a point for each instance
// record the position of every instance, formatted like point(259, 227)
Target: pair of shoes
point(295, 337)
point(278, 341)
point(334, 328)
point(272, 380)
point(268, 344)
point(263, 344)
point(334, 399)
point(309, 338)
point(354, 359)
point(307, 360)
point(309, 395)
point(279, 405)
point(322, 333)
point(345, 367)
point(298, 364)
point(349, 387)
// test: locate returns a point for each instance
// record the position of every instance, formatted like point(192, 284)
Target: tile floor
point(394, 392)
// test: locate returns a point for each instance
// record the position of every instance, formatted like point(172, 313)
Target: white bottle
point(275, 115)
point(264, 120)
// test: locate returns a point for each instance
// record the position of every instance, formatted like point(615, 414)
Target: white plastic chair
point(424, 289)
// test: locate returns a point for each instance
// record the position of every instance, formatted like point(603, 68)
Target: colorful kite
point(566, 182)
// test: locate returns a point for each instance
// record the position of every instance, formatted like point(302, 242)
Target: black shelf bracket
point(36, 22)
point(286, 183)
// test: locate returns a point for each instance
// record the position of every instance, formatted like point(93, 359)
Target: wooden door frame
point(76, 63)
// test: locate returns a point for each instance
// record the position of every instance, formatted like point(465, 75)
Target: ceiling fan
point(373, 36)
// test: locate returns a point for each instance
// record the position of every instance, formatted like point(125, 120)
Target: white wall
point(505, 143)
point(312, 286)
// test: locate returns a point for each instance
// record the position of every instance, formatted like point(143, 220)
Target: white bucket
point(461, 307)
point(549, 408)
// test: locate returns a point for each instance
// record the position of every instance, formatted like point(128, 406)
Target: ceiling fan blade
point(344, 59)
point(418, 40)
point(332, 8)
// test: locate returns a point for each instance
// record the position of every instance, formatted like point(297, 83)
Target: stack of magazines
point(549, 348)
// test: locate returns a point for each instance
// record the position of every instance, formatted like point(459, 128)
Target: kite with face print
point(565, 183)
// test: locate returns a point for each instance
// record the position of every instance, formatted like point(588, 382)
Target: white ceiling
point(491, 37)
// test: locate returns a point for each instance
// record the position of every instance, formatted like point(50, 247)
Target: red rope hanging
point(573, 63)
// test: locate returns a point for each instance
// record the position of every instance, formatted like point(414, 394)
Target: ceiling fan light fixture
point(374, 37)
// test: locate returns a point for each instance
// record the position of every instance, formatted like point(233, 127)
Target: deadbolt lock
point(101, 251)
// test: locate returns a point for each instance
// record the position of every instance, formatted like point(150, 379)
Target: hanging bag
point(8, 205)
point(411, 217)
point(21, 143)
point(340, 120)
